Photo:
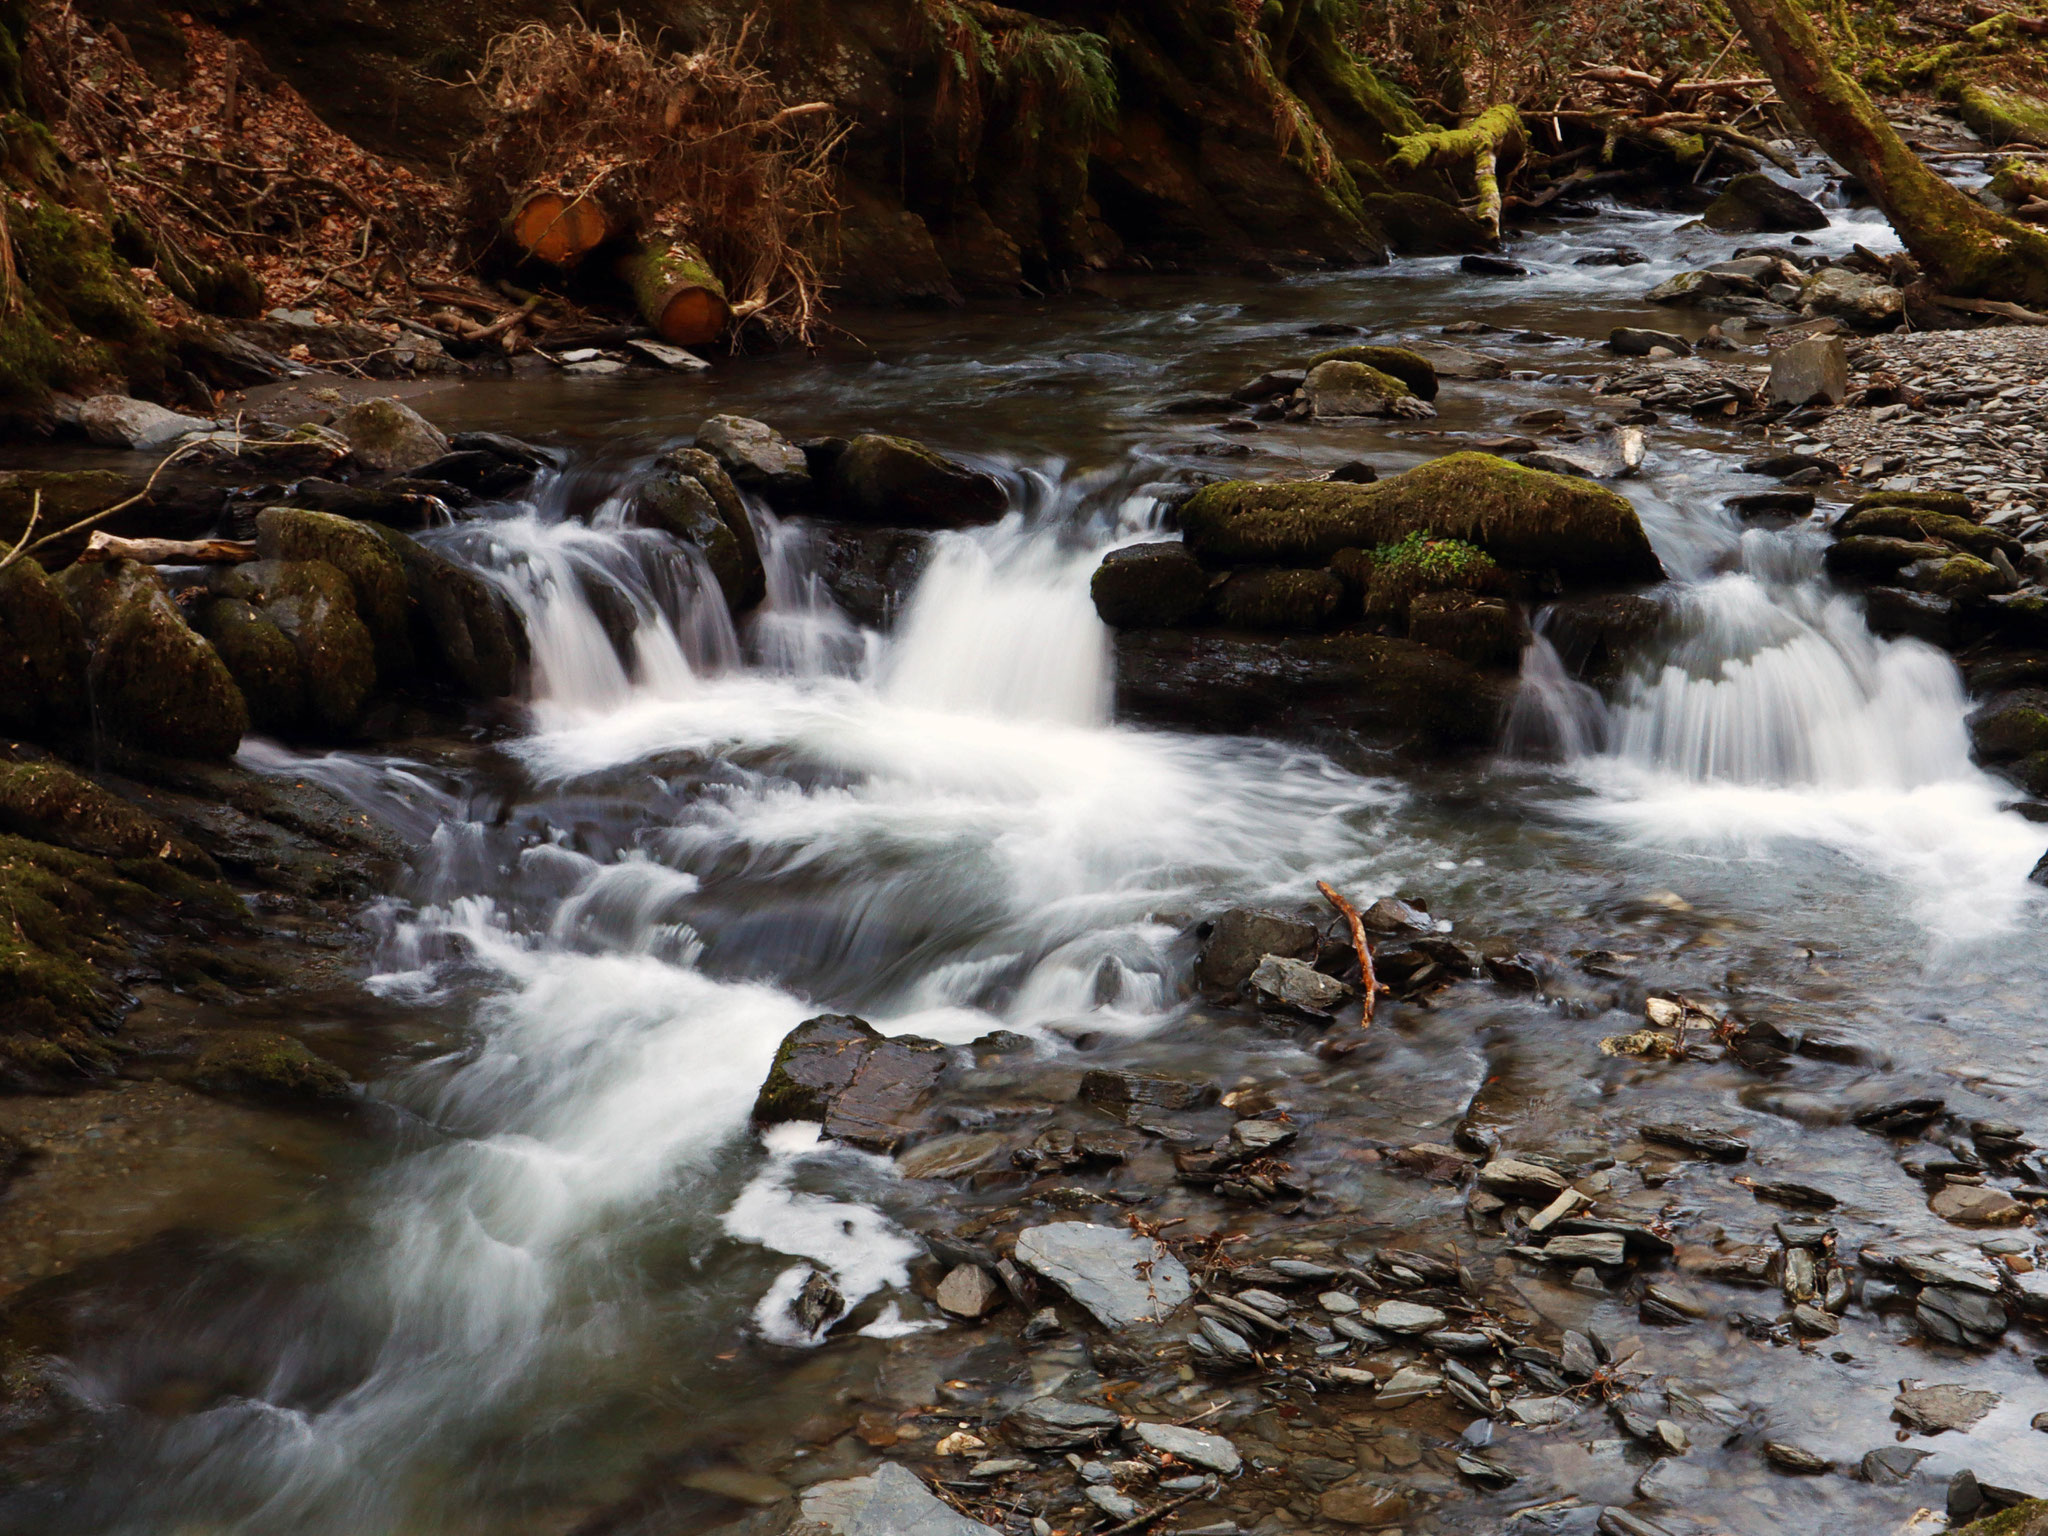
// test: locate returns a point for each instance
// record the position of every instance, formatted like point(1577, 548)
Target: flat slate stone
point(1947, 1406)
point(866, 1087)
point(1191, 1445)
point(892, 1502)
point(1120, 1277)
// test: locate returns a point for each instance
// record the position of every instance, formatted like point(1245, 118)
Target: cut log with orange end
point(559, 230)
point(679, 295)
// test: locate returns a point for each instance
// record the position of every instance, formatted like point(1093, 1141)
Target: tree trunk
point(1961, 244)
point(678, 294)
point(1495, 135)
point(557, 230)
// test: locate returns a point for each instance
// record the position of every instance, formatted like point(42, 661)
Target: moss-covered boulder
point(52, 803)
point(1950, 503)
point(1868, 557)
point(1298, 601)
point(315, 607)
point(1479, 630)
point(2011, 727)
point(464, 629)
point(1959, 578)
point(2028, 1519)
point(866, 1088)
point(1394, 575)
point(1918, 525)
point(43, 655)
point(1524, 519)
point(389, 435)
point(1418, 225)
point(382, 598)
point(898, 483)
point(263, 659)
point(1336, 389)
point(260, 1064)
point(154, 682)
point(1597, 637)
point(1143, 586)
point(1411, 368)
point(64, 496)
point(682, 497)
point(759, 459)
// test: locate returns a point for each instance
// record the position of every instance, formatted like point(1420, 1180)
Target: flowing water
point(566, 1276)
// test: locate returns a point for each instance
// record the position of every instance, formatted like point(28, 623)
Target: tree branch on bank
point(1494, 136)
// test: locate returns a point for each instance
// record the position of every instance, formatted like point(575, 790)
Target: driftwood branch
point(111, 546)
point(1368, 982)
point(24, 547)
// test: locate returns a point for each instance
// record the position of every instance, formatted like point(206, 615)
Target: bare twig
point(1368, 983)
point(24, 548)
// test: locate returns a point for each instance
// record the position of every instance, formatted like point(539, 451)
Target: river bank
point(556, 1288)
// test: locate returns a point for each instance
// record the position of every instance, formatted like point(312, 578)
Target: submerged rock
point(155, 683)
point(897, 482)
point(1121, 1278)
point(1196, 1447)
point(1147, 586)
point(865, 1087)
point(261, 1064)
point(1523, 518)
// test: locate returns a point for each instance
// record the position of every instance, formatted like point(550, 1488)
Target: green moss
point(1951, 503)
point(263, 660)
point(2028, 1519)
point(81, 318)
point(1411, 368)
point(43, 657)
point(1915, 524)
point(1524, 519)
point(1290, 601)
point(375, 575)
point(1496, 128)
point(264, 1065)
point(49, 802)
point(314, 605)
point(1400, 572)
point(155, 683)
point(2000, 116)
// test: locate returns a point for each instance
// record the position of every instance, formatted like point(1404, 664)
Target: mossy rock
point(464, 629)
point(1868, 557)
point(1479, 630)
point(313, 604)
point(2028, 1519)
point(1147, 586)
point(732, 511)
point(898, 483)
point(65, 496)
point(43, 655)
point(2011, 728)
point(1396, 574)
point(1917, 525)
point(1524, 519)
point(1951, 503)
point(2000, 116)
point(259, 1064)
point(1301, 601)
point(1411, 368)
point(154, 682)
point(1337, 389)
point(51, 803)
point(1965, 578)
point(262, 658)
point(389, 435)
point(383, 600)
point(81, 319)
point(675, 499)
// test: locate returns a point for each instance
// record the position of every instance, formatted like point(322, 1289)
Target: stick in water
point(1369, 983)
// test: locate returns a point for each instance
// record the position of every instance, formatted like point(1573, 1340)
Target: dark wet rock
point(689, 496)
point(482, 472)
point(155, 683)
point(313, 605)
point(758, 458)
point(1363, 1503)
point(1703, 1139)
point(1268, 385)
point(1668, 1304)
point(1395, 691)
point(1391, 915)
point(968, 1291)
point(1960, 1316)
point(464, 629)
point(952, 1157)
point(1515, 1180)
point(1287, 601)
point(51, 803)
point(1790, 1456)
point(1772, 504)
point(1869, 558)
point(869, 571)
point(1340, 389)
point(1294, 984)
point(375, 575)
point(512, 450)
point(892, 1500)
point(1491, 266)
point(1893, 611)
point(2011, 726)
point(1784, 466)
point(1620, 256)
point(1895, 1117)
point(895, 482)
point(1479, 630)
point(1977, 1205)
point(43, 655)
point(1127, 1091)
point(1931, 1410)
point(1353, 472)
point(1890, 1465)
point(1753, 203)
point(866, 1088)
point(1524, 519)
point(393, 506)
point(1597, 637)
point(1121, 1277)
point(1632, 341)
point(1404, 364)
point(260, 1064)
point(817, 1303)
point(1149, 586)
point(1234, 943)
point(262, 659)
point(388, 434)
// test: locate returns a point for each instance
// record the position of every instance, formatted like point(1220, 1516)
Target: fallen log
point(2016, 313)
point(109, 546)
point(559, 230)
point(1492, 137)
point(680, 297)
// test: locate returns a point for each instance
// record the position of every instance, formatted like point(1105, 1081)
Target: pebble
point(1406, 1317)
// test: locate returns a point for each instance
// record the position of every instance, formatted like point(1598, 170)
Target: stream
point(555, 1296)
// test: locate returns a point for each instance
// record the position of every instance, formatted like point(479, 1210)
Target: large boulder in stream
point(758, 458)
point(1754, 204)
point(903, 484)
point(389, 435)
point(42, 654)
point(865, 1087)
point(1528, 520)
point(690, 496)
point(375, 576)
point(262, 658)
point(464, 629)
point(1149, 586)
point(1375, 686)
point(1338, 388)
point(154, 682)
point(313, 605)
point(1406, 364)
